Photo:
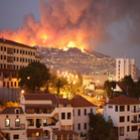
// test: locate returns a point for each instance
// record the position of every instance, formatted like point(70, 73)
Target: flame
point(44, 37)
point(82, 50)
point(65, 48)
point(71, 44)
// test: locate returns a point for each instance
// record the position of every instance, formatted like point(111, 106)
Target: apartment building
point(46, 116)
point(81, 109)
point(125, 114)
point(125, 66)
point(13, 57)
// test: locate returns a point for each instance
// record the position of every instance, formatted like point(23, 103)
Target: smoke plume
point(73, 23)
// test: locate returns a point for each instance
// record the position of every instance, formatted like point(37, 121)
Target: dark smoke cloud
point(75, 22)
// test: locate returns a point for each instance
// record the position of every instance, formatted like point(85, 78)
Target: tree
point(30, 78)
point(34, 76)
point(109, 86)
point(58, 82)
point(99, 128)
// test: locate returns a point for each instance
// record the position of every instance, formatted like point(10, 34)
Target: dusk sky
point(111, 27)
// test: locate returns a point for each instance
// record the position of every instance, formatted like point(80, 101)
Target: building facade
point(45, 116)
point(125, 114)
point(13, 57)
point(125, 66)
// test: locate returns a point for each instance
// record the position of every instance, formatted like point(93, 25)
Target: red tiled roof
point(11, 110)
point(35, 130)
point(38, 106)
point(79, 101)
point(65, 132)
point(15, 43)
point(64, 101)
point(123, 100)
point(47, 97)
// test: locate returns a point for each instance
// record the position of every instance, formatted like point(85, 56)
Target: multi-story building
point(81, 109)
point(13, 57)
point(125, 114)
point(125, 66)
point(46, 116)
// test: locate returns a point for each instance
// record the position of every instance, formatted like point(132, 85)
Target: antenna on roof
point(3, 38)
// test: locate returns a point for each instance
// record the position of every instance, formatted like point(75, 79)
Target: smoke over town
point(76, 23)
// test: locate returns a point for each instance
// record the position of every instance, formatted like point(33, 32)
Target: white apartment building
point(45, 116)
point(125, 66)
point(81, 109)
point(13, 57)
point(125, 114)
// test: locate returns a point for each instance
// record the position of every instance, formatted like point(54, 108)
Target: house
point(81, 109)
point(125, 114)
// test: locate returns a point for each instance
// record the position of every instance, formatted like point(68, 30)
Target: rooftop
point(79, 101)
point(10, 42)
point(11, 110)
point(64, 101)
point(42, 97)
point(123, 100)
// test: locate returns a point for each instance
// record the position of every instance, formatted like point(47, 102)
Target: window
point(85, 112)
point(17, 122)
point(68, 116)
point(128, 108)
point(121, 108)
point(17, 58)
point(17, 111)
point(73, 127)
point(79, 126)
point(20, 59)
point(79, 112)
point(91, 110)
point(15, 84)
point(11, 84)
point(116, 108)
point(7, 123)
point(63, 116)
point(15, 136)
point(128, 118)
point(14, 50)
point(4, 57)
point(20, 51)
point(134, 128)
point(1, 48)
point(4, 48)
point(85, 126)
point(3, 84)
point(127, 128)
point(1, 56)
point(110, 106)
point(23, 51)
point(121, 119)
point(17, 50)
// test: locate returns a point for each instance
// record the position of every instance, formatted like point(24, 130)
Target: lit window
point(7, 122)
point(17, 122)
point(37, 134)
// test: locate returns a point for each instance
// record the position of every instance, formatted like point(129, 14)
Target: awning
point(34, 130)
point(65, 132)
point(42, 106)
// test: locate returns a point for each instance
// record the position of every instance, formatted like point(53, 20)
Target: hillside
point(74, 59)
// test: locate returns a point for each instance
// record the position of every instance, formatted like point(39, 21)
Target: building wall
point(115, 116)
point(82, 118)
point(125, 66)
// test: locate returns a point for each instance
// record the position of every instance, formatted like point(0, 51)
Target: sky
point(107, 26)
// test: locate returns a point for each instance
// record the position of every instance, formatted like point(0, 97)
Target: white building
point(46, 116)
point(125, 66)
point(125, 114)
point(81, 109)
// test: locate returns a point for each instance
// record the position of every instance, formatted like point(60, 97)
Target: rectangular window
point(11, 84)
point(15, 84)
point(128, 118)
point(127, 128)
point(85, 126)
point(15, 136)
point(85, 112)
point(121, 108)
point(14, 50)
point(17, 122)
point(20, 51)
point(5, 49)
point(17, 58)
point(7, 123)
point(110, 106)
point(63, 116)
point(116, 108)
point(128, 108)
point(4, 57)
point(68, 116)
point(134, 128)
point(1, 48)
point(3, 84)
point(17, 50)
point(79, 126)
point(91, 110)
point(122, 119)
point(1, 56)
point(79, 112)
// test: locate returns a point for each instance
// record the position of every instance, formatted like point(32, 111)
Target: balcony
point(12, 129)
point(135, 121)
point(135, 112)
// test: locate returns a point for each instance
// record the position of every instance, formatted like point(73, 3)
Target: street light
point(22, 91)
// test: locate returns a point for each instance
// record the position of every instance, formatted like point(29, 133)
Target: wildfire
point(71, 44)
point(44, 38)
point(65, 48)
point(82, 50)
